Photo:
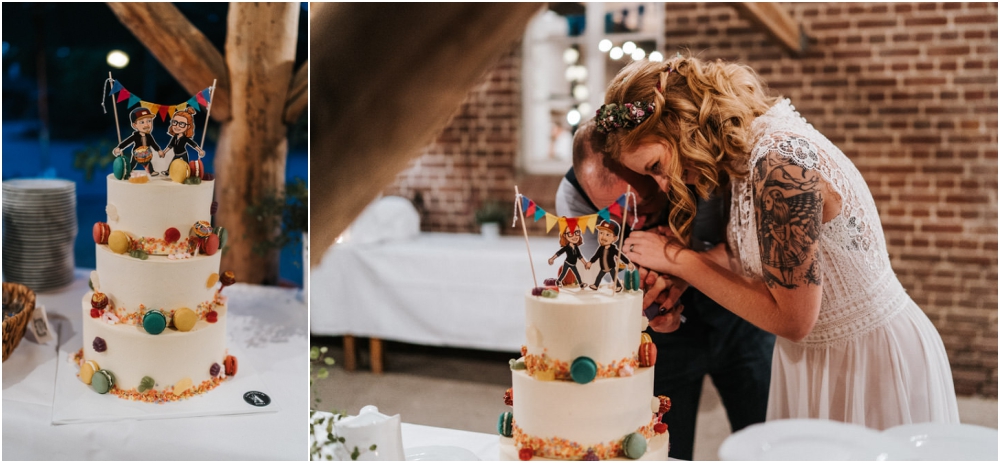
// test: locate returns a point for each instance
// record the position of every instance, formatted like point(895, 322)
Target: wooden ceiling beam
point(777, 22)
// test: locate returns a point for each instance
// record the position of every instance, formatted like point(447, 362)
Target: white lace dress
point(873, 357)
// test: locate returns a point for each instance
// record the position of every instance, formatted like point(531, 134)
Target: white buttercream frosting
point(167, 357)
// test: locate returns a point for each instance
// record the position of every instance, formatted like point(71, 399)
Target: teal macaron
point(121, 168)
point(154, 322)
point(634, 446)
point(505, 424)
point(103, 381)
point(583, 370)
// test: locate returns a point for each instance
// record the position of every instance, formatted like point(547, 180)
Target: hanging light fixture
point(616, 53)
point(638, 54)
point(117, 59)
point(604, 45)
point(628, 47)
point(656, 56)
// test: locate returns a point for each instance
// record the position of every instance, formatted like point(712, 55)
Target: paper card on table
point(39, 327)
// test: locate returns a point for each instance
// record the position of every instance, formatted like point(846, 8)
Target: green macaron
point(634, 446)
point(103, 381)
point(583, 370)
point(121, 168)
point(505, 424)
point(154, 322)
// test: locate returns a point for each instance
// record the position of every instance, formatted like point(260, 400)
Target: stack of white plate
point(39, 227)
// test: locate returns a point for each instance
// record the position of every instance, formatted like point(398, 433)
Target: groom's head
point(604, 181)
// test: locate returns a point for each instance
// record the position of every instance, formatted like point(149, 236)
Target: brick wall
point(907, 90)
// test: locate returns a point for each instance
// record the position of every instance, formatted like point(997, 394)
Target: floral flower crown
point(627, 116)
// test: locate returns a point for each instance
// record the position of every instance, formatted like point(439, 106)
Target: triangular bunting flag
point(550, 221)
point(530, 211)
point(571, 223)
point(115, 88)
point(615, 209)
point(562, 224)
point(182, 106)
point(152, 107)
point(621, 201)
point(604, 214)
point(193, 102)
point(123, 95)
point(591, 222)
point(207, 94)
point(524, 203)
point(163, 112)
point(539, 213)
point(133, 100)
point(201, 100)
point(172, 110)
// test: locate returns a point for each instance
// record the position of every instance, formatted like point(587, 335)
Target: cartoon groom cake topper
point(607, 255)
point(141, 140)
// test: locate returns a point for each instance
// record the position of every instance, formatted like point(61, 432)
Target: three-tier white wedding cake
point(154, 327)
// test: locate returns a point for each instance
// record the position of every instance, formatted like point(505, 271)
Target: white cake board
point(75, 402)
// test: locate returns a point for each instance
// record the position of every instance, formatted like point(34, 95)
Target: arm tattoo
point(789, 206)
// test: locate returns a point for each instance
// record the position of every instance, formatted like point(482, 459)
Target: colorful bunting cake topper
point(147, 158)
point(570, 232)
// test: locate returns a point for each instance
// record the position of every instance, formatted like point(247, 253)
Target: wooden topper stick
point(208, 112)
point(621, 238)
point(525, 229)
point(114, 106)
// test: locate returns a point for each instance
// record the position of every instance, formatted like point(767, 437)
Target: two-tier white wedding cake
point(584, 386)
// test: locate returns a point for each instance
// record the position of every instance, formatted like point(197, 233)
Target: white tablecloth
point(441, 289)
point(267, 324)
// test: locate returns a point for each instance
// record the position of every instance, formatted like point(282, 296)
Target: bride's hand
point(653, 251)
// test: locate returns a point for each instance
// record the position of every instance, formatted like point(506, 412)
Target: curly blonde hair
point(703, 114)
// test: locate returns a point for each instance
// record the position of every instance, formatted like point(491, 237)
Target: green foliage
point(318, 363)
point(491, 212)
point(94, 157)
point(288, 212)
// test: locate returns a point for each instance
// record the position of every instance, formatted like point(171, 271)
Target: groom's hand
point(669, 321)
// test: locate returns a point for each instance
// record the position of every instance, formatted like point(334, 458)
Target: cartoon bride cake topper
point(180, 159)
point(609, 257)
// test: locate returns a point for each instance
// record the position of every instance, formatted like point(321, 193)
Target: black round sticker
point(257, 398)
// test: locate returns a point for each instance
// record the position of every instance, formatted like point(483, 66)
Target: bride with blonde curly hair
point(806, 257)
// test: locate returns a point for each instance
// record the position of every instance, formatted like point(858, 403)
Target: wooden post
point(377, 356)
point(253, 144)
point(350, 353)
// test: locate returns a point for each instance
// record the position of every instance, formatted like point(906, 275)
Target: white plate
point(812, 440)
point(33, 184)
point(439, 453)
point(939, 441)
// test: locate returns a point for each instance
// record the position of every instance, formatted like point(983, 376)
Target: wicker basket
point(13, 327)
